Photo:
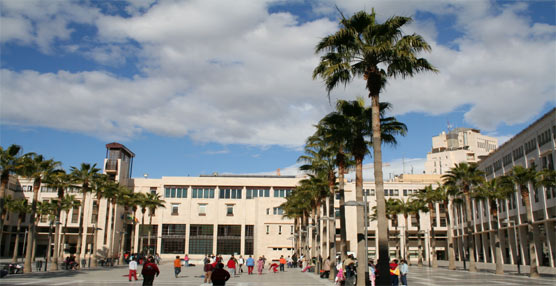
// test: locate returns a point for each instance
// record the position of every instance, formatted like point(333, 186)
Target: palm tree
point(45, 209)
point(363, 47)
point(135, 201)
point(431, 196)
point(21, 207)
point(417, 206)
point(492, 191)
point(466, 176)
point(153, 203)
point(448, 195)
point(60, 181)
point(10, 163)
point(83, 175)
point(522, 177)
point(111, 191)
point(124, 198)
point(35, 167)
point(99, 185)
point(143, 203)
point(404, 208)
point(4, 214)
point(68, 203)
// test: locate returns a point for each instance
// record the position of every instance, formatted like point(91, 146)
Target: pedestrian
point(340, 278)
point(289, 262)
point(232, 265)
point(372, 273)
point(349, 271)
point(220, 275)
point(149, 271)
point(133, 269)
point(260, 265)
point(250, 264)
point(404, 269)
point(208, 271)
point(274, 267)
point(177, 266)
point(240, 262)
point(186, 260)
point(326, 268)
point(294, 260)
point(394, 272)
point(282, 263)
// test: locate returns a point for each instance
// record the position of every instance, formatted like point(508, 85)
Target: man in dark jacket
point(220, 275)
point(149, 271)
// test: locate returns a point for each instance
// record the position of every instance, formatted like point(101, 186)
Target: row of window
point(224, 193)
point(278, 228)
point(43, 189)
point(202, 209)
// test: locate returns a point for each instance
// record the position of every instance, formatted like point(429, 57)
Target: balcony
point(111, 166)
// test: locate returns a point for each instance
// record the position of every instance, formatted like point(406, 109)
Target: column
point(214, 238)
point(159, 238)
point(242, 242)
point(551, 238)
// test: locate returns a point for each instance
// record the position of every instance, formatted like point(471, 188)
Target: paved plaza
point(419, 276)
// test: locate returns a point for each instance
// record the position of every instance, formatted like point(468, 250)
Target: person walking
point(208, 271)
point(350, 271)
point(404, 269)
point(282, 263)
point(394, 273)
point(232, 265)
point(372, 273)
point(133, 269)
point(326, 268)
point(186, 260)
point(250, 264)
point(240, 262)
point(177, 266)
point(260, 265)
point(220, 275)
point(149, 271)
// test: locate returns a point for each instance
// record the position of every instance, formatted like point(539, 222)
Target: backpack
point(148, 269)
point(350, 270)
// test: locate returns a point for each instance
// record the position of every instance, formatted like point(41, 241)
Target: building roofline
point(247, 176)
point(116, 145)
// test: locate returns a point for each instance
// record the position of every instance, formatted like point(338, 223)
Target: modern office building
point(456, 146)
point(534, 146)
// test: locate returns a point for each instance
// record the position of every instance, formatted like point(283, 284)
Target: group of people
point(347, 272)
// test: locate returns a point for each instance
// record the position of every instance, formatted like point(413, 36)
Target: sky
point(204, 86)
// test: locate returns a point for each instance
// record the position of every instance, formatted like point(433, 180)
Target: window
point(396, 192)
point(202, 193)
point(267, 211)
point(94, 215)
point(386, 192)
point(536, 195)
point(230, 193)
point(547, 162)
point(200, 238)
point(497, 165)
point(277, 211)
point(229, 210)
point(254, 192)
point(229, 239)
point(544, 137)
point(291, 229)
point(442, 222)
point(507, 159)
point(174, 191)
point(175, 208)
point(279, 229)
point(281, 193)
point(249, 242)
point(517, 153)
point(153, 190)
point(531, 145)
point(74, 215)
point(337, 212)
point(267, 229)
point(405, 192)
point(489, 170)
point(173, 238)
point(202, 209)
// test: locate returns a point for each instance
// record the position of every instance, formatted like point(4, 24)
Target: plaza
point(418, 276)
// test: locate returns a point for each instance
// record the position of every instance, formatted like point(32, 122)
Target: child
point(274, 267)
point(340, 278)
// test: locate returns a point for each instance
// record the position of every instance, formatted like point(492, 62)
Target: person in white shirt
point(240, 261)
point(133, 269)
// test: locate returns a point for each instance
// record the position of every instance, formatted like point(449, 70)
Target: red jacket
point(231, 263)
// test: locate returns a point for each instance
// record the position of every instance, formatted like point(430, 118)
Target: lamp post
point(517, 246)
point(94, 246)
point(364, 205)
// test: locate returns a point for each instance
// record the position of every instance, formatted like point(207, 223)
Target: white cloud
point(230, 72)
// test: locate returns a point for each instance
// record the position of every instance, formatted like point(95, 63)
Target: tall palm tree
point(98, 187)
point(418, 206)
point(522, 178)
point(45, 209)
point(448, 195)
point(466, 176)
point(21, 207)
point(83, 175)
point(111, 191)
point(491, 192)
point(364, 48)
point(68, 203)
point(431, 196)
point(10, 163)
point(135, 201)
point(124, 198)
point(404, 208)
point(143, 204)
point(35, 167)
point(154, 202)
point(4, 214)
point(60, 181)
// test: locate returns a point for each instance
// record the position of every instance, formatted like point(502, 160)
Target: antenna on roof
point(449, 125)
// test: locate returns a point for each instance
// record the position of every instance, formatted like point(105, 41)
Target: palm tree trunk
point(132, 235)
point(433, 238)
point(470, 238)
point(49, 248)
point(2, 222)
point(342, 203)
point(32, 229)
point(362, 251)
point(141, 246)
point(383, 255)
point(496, 238)
point(451, 250)
point(150, 232)
point(533, 264)
point(113, 228)
point(95, 234)
point(332, 233)
point(108, 226)
point(405, 243)
point(419, 243)
point(63, 240)
point(16, 248)
point(80, 233)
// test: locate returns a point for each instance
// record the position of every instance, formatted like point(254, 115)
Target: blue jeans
point(403, 277)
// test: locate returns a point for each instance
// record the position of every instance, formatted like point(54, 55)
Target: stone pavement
point(419, 276)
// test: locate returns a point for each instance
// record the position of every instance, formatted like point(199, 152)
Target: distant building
point(456, 146)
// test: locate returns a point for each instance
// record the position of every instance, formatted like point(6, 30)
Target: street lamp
point(517, 246)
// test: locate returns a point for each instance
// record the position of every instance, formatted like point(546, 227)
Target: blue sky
point(196, 87)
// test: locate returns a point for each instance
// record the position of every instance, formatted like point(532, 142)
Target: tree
point(465, 176)
point(490, 192)
point(364, 48)
point(134, 202)
point(124, 198)
point(98, 187)
point(431, 196)
point(111, 191)
point(83, 175)
point(68, 203)
point(35, 167)
point(45, 209)
point(10, 163)
point(21, 207)
point(522, 178)
point(417, 206)
point(153, 203)
point(448, 195)
point(404, 208)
